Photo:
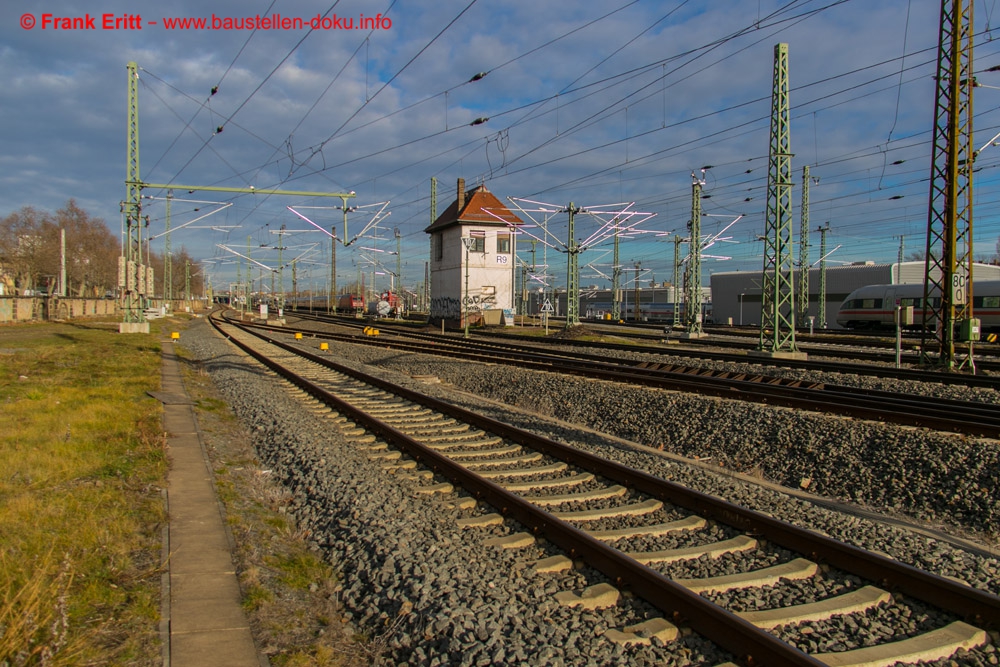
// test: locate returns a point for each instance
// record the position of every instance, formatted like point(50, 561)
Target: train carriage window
point(869, 304)
point(903, 303)
point(991, 302)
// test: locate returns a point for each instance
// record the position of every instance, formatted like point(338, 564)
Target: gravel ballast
point(432, 594)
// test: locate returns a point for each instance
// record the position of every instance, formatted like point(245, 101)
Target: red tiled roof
point(481, 207)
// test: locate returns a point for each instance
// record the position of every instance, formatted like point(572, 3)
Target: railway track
point(818, 345)
point(967, 417)
point(627, 524)
point(652, 344)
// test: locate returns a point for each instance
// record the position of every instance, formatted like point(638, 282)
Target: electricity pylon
point(777, 321)
point(948, 260)
point(692, 285)
point(613, 222)
point(802, 295)
point(134, 279)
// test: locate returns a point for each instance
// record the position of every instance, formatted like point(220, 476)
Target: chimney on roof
point(461, 194)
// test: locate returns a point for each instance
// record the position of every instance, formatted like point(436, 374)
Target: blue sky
point(593, 103)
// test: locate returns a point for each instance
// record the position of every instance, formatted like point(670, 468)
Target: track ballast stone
point(434, 595)
point(414, 583)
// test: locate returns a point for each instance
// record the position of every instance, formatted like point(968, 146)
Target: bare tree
point(179, 257)
point(22, 247)
point(92, 252)
point(30, 250)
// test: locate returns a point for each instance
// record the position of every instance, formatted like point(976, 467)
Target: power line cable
point(254, 92)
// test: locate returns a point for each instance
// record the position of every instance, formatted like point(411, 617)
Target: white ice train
point(874, 306)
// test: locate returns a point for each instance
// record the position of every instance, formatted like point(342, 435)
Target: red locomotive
point(350, 303)
point(389, 304)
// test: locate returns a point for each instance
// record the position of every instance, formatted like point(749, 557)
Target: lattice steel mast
point(130, 263)
point(802, 294)
point(821, 302)
point(692, 286)
point(616, 273)
point(677, 262)
point(609, 227)
point(948, 261)
point(572, 270)
point(135, 279)
point(777, 327)
point(168, 269)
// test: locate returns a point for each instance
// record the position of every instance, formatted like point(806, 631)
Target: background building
point(736, 296)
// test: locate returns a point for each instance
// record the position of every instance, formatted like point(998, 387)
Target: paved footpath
point(205, 623)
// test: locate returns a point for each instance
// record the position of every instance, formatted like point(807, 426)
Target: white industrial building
point(736, 296)
point(475, 283)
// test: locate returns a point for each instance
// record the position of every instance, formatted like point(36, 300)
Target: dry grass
point(81, 467)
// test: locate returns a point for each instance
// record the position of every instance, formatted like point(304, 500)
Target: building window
point(478, 241)
point(438, 247)
point(503, 244)
point(489, 290)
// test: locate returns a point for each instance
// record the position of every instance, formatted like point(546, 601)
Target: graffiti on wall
point(476, 303)
point(447, 307)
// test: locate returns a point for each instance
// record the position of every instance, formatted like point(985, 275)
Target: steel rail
point(973, 605)
point(939, 414)
point(983, 381)
point(819, 348)
point(743, 639)
point(990, 382)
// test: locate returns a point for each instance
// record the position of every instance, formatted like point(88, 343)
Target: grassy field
point(82, 469)
point(82, 466)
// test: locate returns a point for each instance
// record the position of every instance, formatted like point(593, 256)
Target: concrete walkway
point(206, 624)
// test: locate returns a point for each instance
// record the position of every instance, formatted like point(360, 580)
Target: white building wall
point(490, 275)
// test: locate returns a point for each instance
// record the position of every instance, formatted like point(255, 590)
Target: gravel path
point(432, 595)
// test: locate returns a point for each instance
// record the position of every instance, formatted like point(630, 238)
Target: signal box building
point(477, 282)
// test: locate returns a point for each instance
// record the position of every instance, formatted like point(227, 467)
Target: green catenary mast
point(802, 294)
point(777, 327)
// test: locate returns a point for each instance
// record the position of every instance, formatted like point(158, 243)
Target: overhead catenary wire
point(448, 153)
point(249, 97)
point(612, 143)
